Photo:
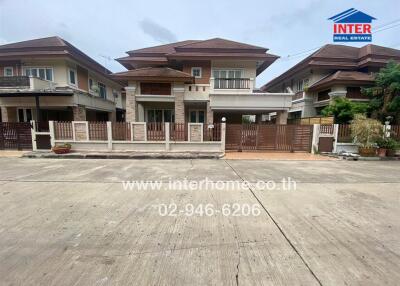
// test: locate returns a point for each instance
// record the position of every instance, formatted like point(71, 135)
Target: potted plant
point(366, 132)
point(391, 146)
point(382, 146)
point(62, 149)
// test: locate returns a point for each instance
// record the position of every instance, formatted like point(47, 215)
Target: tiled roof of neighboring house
point(196, 49)
point(151, 73)
point(340, 57)
point(51, 46)
point(343, 77)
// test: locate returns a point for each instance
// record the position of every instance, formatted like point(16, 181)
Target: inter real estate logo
point(352, 26)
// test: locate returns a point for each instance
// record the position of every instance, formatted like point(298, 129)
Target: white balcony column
point(131, 107)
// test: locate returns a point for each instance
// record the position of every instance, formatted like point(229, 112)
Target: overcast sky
point(109, 28)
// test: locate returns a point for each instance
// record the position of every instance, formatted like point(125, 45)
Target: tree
point(343, 110)
point(385, 95)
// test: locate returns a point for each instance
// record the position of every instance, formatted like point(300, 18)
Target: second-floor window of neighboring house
point(90, 84)
point(72, 76)
point(8, 71)
point(302, 84)
point(196, 72)
point(102, 90)
point(228, 78)
point(42, 73)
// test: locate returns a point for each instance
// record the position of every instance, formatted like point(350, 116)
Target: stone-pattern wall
point(130, 105)
point(79, 113)
point(179, 107)
point(80, 132)
point(210, 114)
point(9, 114)
point(281, 117)
point(195, 132)
point(139, 132)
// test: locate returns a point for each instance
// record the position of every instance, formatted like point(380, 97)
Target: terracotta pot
point(367, 151)
point(391, 153)
point(61, 150)
point(382, 152)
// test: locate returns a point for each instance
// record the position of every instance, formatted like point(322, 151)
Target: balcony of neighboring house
point(231, 85)
point(26, 83)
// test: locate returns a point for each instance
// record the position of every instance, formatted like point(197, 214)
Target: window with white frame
point(196, 116)
point(160, 115)
point(228, 73)
point(8, 71)
point(302, 84)
point(72, 77)
point(196, 72)
point(45, 73)
point(102, 90)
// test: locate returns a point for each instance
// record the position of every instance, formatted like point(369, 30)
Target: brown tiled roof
point(51, 46)
point(343, 77)
point(151, 73)
point(196, 49)
point(341, 57)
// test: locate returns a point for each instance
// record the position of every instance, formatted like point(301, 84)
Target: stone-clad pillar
point(281, 117)
point(179, 92)
point(210, 114)
point(79, 113)
point(131, 106)
point(8, 114)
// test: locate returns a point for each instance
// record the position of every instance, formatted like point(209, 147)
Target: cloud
point(157, 32)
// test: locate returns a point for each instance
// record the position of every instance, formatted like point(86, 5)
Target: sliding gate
point(15, 136)
point(268, 137)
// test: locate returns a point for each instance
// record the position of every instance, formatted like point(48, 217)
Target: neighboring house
point(50, 79)
point(198, 81)
point(333, 70)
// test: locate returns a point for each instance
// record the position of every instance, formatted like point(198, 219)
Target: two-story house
point(50, 79)
point(331, 71)
point(199, 81)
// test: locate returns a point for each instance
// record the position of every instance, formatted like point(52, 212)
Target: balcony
point(231, 85)
point(25, 83)
point(298, 95)
point(14, 82)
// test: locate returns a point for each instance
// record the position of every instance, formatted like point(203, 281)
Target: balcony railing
point(14, 81)
point(231, 83)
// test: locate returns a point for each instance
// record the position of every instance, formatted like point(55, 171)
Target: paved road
point(70, 222)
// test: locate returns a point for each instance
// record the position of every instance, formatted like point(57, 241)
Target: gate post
point(109, 135)
point(223, 136)
point(33, 133)
point(52, 134)
point(335, 136)
point(167, 136)
point(315, 139)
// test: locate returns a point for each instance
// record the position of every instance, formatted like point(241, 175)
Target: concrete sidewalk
point(259, 155)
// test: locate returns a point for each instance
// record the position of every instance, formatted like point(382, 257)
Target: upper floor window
point(102, 90)
point(42, 73)
point(302, 84)
point(8, 71)
point(90, 84)
point(228, 73)
point(72, 76)
point(196, 72)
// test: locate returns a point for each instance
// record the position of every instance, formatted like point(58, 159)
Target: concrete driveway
point(70, 222)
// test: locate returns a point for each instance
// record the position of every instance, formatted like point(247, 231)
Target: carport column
point(281, 117)
point(210, 114)
point(130, 103)
point(79, 113)
point(112, 116)
point(179, 92)
point(8, 114)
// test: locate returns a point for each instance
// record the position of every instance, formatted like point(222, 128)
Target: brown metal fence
point(178, 131)
point(155, 131)
point(344, 133)
point(15, 135)
point(121, 131)
point(268, 137)
point(63, 130)
point(212, 132)
point(97, 131)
